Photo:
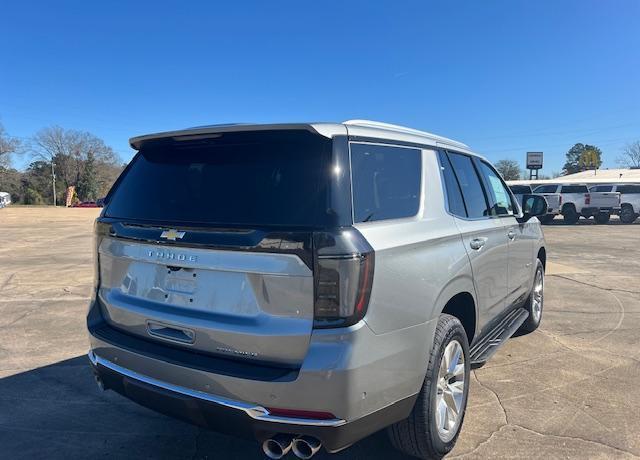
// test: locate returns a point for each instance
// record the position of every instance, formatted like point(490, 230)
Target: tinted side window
point(454, 195)
point(499, 198)
point(520, 189)
point(629, 188)
point(574, 189)
point(601, 188)
point(386, 182)
point(470, 184)
point(546, 189)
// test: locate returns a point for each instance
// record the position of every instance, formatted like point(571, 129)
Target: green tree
point(573, 163)
point(589, 159)
point(509, 169)
point(32, 196)
point(88, 182)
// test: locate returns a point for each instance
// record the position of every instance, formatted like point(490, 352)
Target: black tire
point(533, 320)
point(602, 218)
point(627, 216)
point(547, 218)
point(418, 434)
point(570, 215)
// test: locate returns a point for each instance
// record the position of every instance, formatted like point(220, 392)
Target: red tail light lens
point(587, 198)
point(343, 275)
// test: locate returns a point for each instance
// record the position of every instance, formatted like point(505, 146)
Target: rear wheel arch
point(542, 255)
point(463, 307)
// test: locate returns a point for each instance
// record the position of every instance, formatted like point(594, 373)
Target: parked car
point(575, 201)
point(554, 201)
point(85, 204)
point(629, 199)
point(5, 199)
point(310, 300)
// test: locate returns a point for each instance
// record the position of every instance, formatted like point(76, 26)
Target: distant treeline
point(77, 158)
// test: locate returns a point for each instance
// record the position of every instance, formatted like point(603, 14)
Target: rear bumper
point(237, 418)
point(367, 381)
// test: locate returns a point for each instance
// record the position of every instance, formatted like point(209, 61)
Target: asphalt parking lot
point(569, 390)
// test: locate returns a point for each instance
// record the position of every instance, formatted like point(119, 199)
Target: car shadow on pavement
point(58, 412)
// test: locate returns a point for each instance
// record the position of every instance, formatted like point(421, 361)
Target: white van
point(5, 199)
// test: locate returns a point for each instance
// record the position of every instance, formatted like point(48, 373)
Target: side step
point(489, 344)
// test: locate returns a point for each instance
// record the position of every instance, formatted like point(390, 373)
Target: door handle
point(477, 243)
point(511, 234)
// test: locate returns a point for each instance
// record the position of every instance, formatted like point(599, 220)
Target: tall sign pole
point(534, 164)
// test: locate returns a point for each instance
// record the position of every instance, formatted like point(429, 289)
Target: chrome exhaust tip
point(278, 446)
point(306, 447)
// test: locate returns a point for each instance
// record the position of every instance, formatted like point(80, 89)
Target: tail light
point(343, 276)
point(100, 231)
point(560, 200)
point(587, 198)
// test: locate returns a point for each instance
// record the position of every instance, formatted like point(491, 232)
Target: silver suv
point(307, 285)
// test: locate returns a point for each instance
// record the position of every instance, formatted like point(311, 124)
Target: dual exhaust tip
point(303, 447)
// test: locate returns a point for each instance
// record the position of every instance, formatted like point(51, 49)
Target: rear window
point(252, 179)
point(386, 182)
point(520, 189)
point(546, 189)
point(574, 189)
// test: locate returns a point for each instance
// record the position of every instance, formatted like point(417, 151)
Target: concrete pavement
point(569, 390)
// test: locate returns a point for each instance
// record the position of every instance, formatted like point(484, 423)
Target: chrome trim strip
point(206, 259)
point(254, 411)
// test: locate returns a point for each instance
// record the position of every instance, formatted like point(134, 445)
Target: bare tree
point(509, 169)
point(8, 146)
point(630, 155)
point(67, 152)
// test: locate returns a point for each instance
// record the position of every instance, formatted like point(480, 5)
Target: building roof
point(601, 176)
point(357, 128)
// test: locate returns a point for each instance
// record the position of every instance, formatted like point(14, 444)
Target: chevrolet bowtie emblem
point(172, 235)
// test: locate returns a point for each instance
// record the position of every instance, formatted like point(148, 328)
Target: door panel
point(487, 246)
point(520, 272)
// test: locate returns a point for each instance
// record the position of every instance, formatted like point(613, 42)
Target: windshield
point(252, 179)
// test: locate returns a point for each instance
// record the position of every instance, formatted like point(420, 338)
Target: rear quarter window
point(385, 181)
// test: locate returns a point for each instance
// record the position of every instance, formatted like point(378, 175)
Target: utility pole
point(53, 181)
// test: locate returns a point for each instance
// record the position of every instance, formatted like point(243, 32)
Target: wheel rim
point(450, 391)
point(537, 298)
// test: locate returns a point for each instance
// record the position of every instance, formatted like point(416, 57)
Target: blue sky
point(503, 76)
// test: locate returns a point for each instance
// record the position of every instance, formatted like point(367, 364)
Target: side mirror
point(533, 205)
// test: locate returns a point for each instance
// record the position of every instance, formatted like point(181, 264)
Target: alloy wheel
point(450, 391)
